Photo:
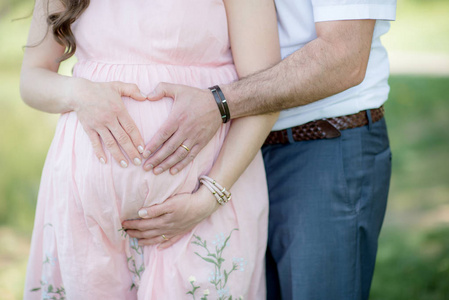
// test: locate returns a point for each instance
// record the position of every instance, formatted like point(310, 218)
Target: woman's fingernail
point(137, 161)
point(143, 213)
point(140, 149)
point(123, 164)
point(102, 160)
point(143, 95)
point(158, 171)
point(146, 154)
point(148, 167)
point(174, 171)
point(151, 94)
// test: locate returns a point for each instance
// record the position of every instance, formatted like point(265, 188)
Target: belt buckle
point(328, 130)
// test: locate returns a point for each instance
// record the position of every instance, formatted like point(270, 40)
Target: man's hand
point(193, 121)
point(172, 218)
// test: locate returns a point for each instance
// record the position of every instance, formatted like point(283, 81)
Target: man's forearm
point(321, 68)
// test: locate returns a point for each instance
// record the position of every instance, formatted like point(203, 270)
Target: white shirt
point(296, 23)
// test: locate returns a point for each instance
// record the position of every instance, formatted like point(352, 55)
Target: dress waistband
point(150, 63)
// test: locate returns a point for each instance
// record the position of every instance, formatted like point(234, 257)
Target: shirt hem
point(327, 112)
point(354, 12)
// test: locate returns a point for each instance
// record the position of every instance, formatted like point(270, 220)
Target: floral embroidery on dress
point(49, 290)
point(135, 263)
point(50, 265)
point(219, 276)
point(134, 256)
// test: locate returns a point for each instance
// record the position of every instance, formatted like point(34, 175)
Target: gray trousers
point(327, 205)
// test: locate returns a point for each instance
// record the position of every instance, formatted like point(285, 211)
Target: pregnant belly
point(109, 194)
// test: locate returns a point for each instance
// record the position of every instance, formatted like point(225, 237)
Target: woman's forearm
point(46, 90)
point(255, 46)
point(41, 86)
point(98, 106)
point(241, 145)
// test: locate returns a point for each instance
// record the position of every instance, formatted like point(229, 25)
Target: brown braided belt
point(324, 128)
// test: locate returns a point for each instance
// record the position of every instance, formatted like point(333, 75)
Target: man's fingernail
point(143, 213)
point(123, 164)
point(102, 160)
point(137, 161)
point(158, 171)
point(148, 167)
point(146, 154)
point(140, 149)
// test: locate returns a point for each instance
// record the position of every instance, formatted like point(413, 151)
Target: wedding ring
point(185, 147)
point(164, 237)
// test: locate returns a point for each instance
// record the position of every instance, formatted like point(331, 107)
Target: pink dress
point(78, 248)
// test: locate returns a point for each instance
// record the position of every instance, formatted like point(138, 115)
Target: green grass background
point(413, 257)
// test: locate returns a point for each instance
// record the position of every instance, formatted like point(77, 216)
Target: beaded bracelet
point(220, 193)
point(221, 103)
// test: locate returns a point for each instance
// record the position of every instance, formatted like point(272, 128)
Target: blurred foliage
point(416, 267)
point(417, 115)
point(22, 154)
point(14, 248)
point(420, 26)
point(412, 260)
point(6, 6)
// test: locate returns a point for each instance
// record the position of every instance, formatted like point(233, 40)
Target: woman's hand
point(172, 218)
point(102, 114)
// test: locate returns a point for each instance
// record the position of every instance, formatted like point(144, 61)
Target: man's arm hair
point(333, 62)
